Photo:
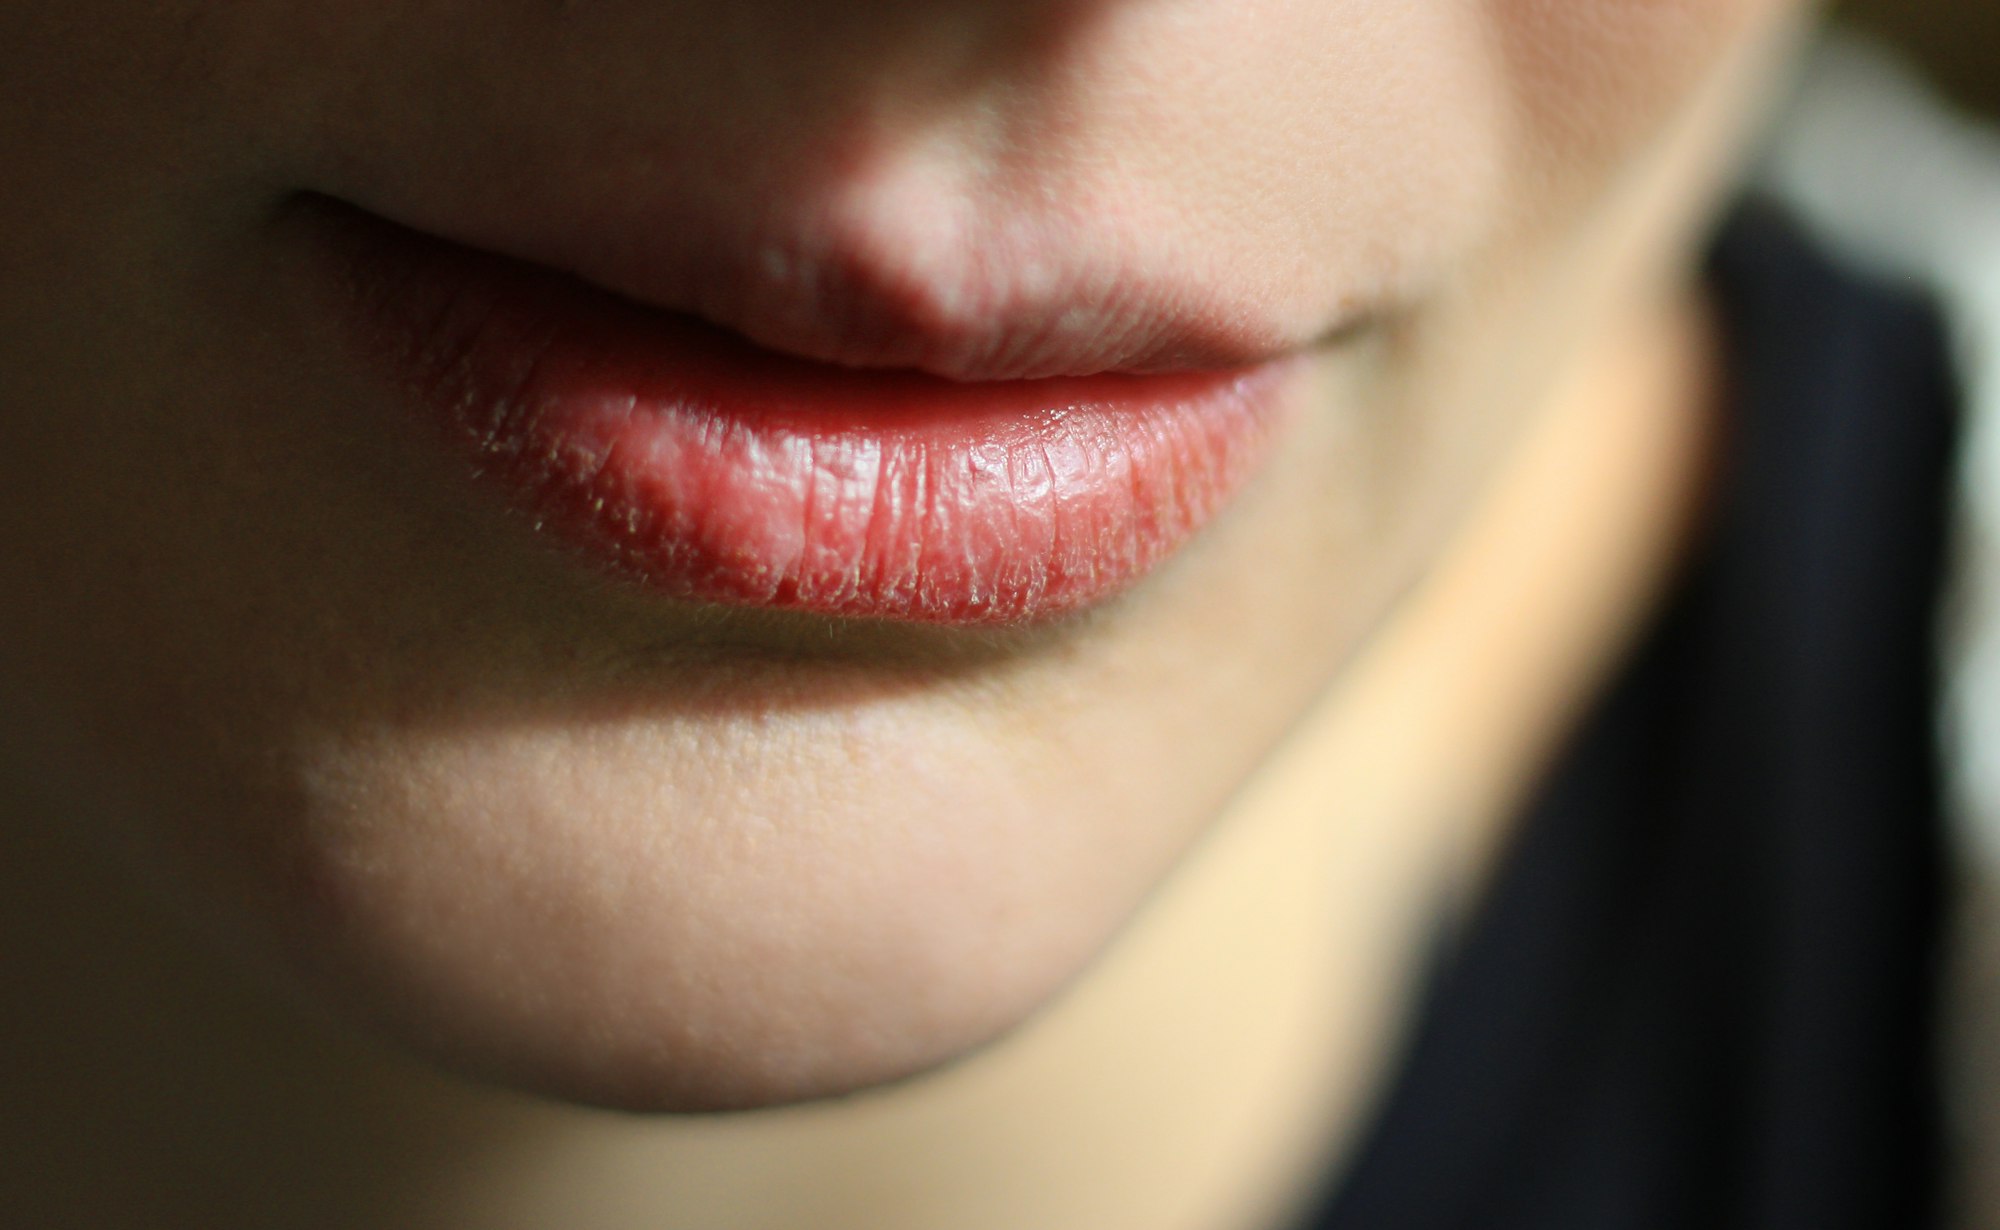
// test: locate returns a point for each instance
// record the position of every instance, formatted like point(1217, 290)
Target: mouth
point(707, 468)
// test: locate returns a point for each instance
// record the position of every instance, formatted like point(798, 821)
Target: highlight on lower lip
point(709, 469)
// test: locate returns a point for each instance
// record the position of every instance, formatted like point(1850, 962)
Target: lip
point(707, 468)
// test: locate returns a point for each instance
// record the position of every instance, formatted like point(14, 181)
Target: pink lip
point(711, 469)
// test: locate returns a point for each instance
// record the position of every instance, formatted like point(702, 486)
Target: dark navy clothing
point(1700, 990)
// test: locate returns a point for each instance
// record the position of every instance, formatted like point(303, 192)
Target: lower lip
point(708, 469)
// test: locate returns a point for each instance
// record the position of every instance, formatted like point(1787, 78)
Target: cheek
point(1333, 154)
point(1588, 76)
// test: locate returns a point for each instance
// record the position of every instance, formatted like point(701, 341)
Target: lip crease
point(708, 468)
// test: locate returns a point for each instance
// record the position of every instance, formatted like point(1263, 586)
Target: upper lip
point(972, 311)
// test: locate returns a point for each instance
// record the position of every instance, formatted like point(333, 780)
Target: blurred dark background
point(1958, 41)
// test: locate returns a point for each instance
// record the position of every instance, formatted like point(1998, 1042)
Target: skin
point(293, 676)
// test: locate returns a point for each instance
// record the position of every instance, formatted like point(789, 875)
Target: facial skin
point(574, 838)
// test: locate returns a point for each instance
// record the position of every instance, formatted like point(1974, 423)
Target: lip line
point(708, 469)
point(864, 317)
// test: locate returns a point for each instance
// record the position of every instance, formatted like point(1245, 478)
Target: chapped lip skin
point(707, 468)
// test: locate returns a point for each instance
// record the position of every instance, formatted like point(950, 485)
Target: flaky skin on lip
point(707, 468)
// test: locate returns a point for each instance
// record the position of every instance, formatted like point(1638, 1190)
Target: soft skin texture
point(569, 837)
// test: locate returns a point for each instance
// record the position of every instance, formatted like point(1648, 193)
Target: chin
point(744, 1043)
point(581, 916)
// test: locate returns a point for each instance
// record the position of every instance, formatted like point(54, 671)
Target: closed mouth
point(708, 468)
